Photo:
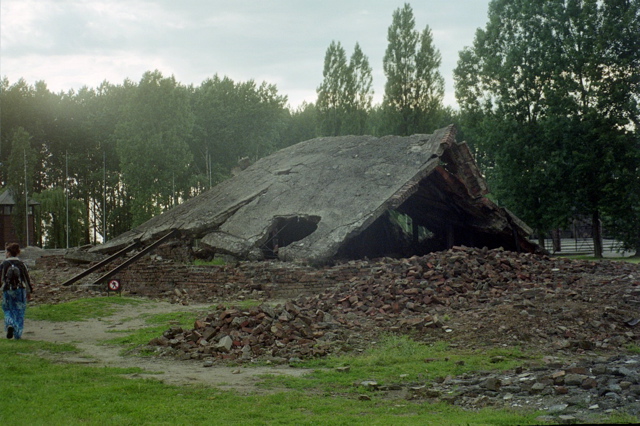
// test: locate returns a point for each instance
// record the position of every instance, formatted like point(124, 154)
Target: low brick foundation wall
point(151, 277)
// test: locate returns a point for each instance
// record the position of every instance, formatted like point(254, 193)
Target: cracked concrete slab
point(348, 196)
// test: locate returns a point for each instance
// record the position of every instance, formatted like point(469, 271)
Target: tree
point(55, 125)
point(414, 89)
point(152, 144)
point(548, 94)
point(106, 112)
point(500, 87)
point(333, 97)
point(232, 121)
point(301, 125)
point(33, 110)
point(346, 93)
point(52, 215)
point(107, 199)
point(20, 178)
point(126, 152)
point(76, 156)
point(359, 92)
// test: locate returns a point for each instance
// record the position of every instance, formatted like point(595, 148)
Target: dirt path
point(88, 336)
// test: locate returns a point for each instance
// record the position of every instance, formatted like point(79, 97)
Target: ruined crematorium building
point(345, 197)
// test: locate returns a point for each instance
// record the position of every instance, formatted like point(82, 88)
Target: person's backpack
point(13, 277)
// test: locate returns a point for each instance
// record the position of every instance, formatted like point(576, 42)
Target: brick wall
point(149, 277)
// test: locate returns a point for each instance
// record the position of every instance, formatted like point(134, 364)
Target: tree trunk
point(541, 240)
point(597, 234)
point(637, 247)
point(86, 232)
point(555, 234)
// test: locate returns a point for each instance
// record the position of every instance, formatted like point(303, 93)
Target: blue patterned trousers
point(14, 305)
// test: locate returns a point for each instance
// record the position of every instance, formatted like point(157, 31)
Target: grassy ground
point(35, 390)
point(586, 257)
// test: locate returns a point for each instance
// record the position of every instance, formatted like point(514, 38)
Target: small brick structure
point(152, 276)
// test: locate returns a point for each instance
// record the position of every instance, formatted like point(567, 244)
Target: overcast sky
point(75, 43)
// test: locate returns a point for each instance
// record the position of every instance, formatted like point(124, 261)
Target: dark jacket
point(23, 270)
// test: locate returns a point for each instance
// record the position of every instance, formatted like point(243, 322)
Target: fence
point(583, 246)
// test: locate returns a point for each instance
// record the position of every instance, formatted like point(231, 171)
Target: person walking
point(16, 291)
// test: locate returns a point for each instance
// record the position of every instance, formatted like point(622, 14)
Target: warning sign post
point(114, 285)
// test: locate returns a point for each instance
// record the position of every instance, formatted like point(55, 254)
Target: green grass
point(587, 257)
point(36, 391)
point(633, 348)
point(397, 359)
point(157, 324)
point(79, 310)
point(625, 259)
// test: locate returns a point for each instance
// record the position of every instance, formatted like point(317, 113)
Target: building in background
point(9, 233)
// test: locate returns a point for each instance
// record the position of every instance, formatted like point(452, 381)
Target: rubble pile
point(471, 297)
point(564, 393)
point(582, 315)
point(280, 334)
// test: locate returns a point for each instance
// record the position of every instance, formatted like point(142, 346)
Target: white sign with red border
point(114, 285)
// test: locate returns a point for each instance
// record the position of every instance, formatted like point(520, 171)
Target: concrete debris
point(549, 388)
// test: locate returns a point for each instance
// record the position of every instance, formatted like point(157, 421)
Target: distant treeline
point(549, 96)
point(122, 153)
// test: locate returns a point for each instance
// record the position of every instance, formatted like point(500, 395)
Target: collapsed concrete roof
point(345, 197)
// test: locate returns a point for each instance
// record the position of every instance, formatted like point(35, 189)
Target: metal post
point(104, 198)
point(26, 197)
point(66, 186)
